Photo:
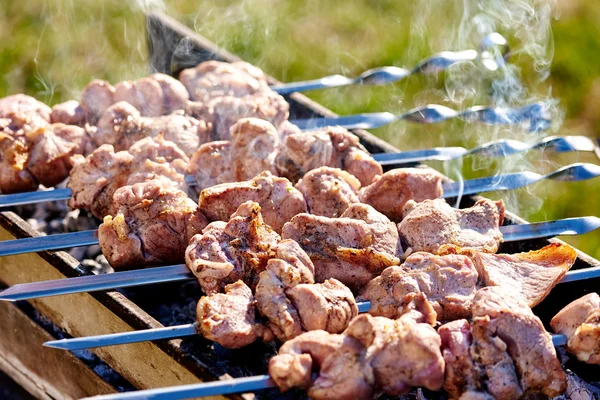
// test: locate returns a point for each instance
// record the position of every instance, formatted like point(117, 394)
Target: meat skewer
point(573, 172)
point(503, 147)
point(383, 75)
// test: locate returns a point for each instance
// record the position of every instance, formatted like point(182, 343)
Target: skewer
point(33, 290)
point(573, 172)
point(534, 113)
point(432, 65)
point(498, 148)
point(115, 339)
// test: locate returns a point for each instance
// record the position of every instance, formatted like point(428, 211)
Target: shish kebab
point(462, 358)
point(498, 148)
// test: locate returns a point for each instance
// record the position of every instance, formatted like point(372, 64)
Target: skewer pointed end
point(6, 295)
point(62, 344)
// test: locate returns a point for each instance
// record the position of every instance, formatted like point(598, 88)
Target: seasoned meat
point(329, 191)
point(14, 175)
point(292, 367)
point(121, 125)
point(327, 306)
point(95, 178)
point(278, 199)
point(174, 94)
point(289, 267)
point(210, 165)
point(352, 251)
point(228, 110)
point(153, 225)
point(236, 250)
point(579, 321)
point(332, 146)
point(23, 114)
point(213, 79)
point(501, 315)
point(390, 191)
point(532, 274)
point(144, 94)
point(448, 282)
point(254, 146)
point(50, 152)
point(429, 225)
point(97, 96)
point(69, 112)
point(229, 318)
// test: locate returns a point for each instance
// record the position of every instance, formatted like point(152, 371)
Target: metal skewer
point(573, 172)
point(384, 75)
point(499, 148)
point(33, 290)
point(116, 339)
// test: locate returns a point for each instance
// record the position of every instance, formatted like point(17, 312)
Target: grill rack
point(194, 358)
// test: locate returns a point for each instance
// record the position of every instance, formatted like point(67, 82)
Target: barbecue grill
point(178, 361)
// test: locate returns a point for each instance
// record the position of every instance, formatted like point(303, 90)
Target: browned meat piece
point(390, 191)
point(24, 112)
point(227, 252)
point(144, 94)
point(160, 150)
point(579, 321)
point(287, 128)
point(502, 319)
point(278, 199)
point(433, 223)
point(327, 306)
point(254, 146)
point(289, 267)
point(352, 251)
point(292, 367)
point(97, 96)
point(329, 191)
point(174, 95)
point(212, 79)
point(122, 125)
point(153, 225)
point(228, 110)
point(50, 152)
point(449, 283)
point(532, 274)
point(229, 318)
point(210, 165)
point(69, 112)
point(332, 146)
point(14, 175)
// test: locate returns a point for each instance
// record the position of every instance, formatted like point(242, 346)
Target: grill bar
point(384, 75)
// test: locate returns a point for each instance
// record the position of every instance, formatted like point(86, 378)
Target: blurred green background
point(51, 49)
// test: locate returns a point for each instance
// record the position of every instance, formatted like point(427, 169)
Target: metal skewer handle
point(535, 114)
point(432, 65)
point(33, 290)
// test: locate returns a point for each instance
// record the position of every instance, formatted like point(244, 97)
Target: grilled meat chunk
point(174, 95)
point(210, 165)
point(448, 282)
point(350, 250)
point(153, 225)
point(69, 112)
point(97, 96)
point(372, 353)
point(329, 191)
point(213, 79)
point(579, 321)
point(14, 175)
point(121, 125)
point(236, 250)
point(392, 190)
point(433, 223)
point(278, 199)
point(20, 114)
point(254, 146)
point(229, 318)
point(328, 147)
point(144, 94)
point(532, 274)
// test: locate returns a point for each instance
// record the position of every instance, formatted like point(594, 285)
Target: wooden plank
point(44, 372)
point(145, 365)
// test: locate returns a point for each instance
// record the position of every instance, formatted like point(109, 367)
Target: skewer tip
point(62, 344)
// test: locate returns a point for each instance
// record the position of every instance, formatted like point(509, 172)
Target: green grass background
point(51, 49)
